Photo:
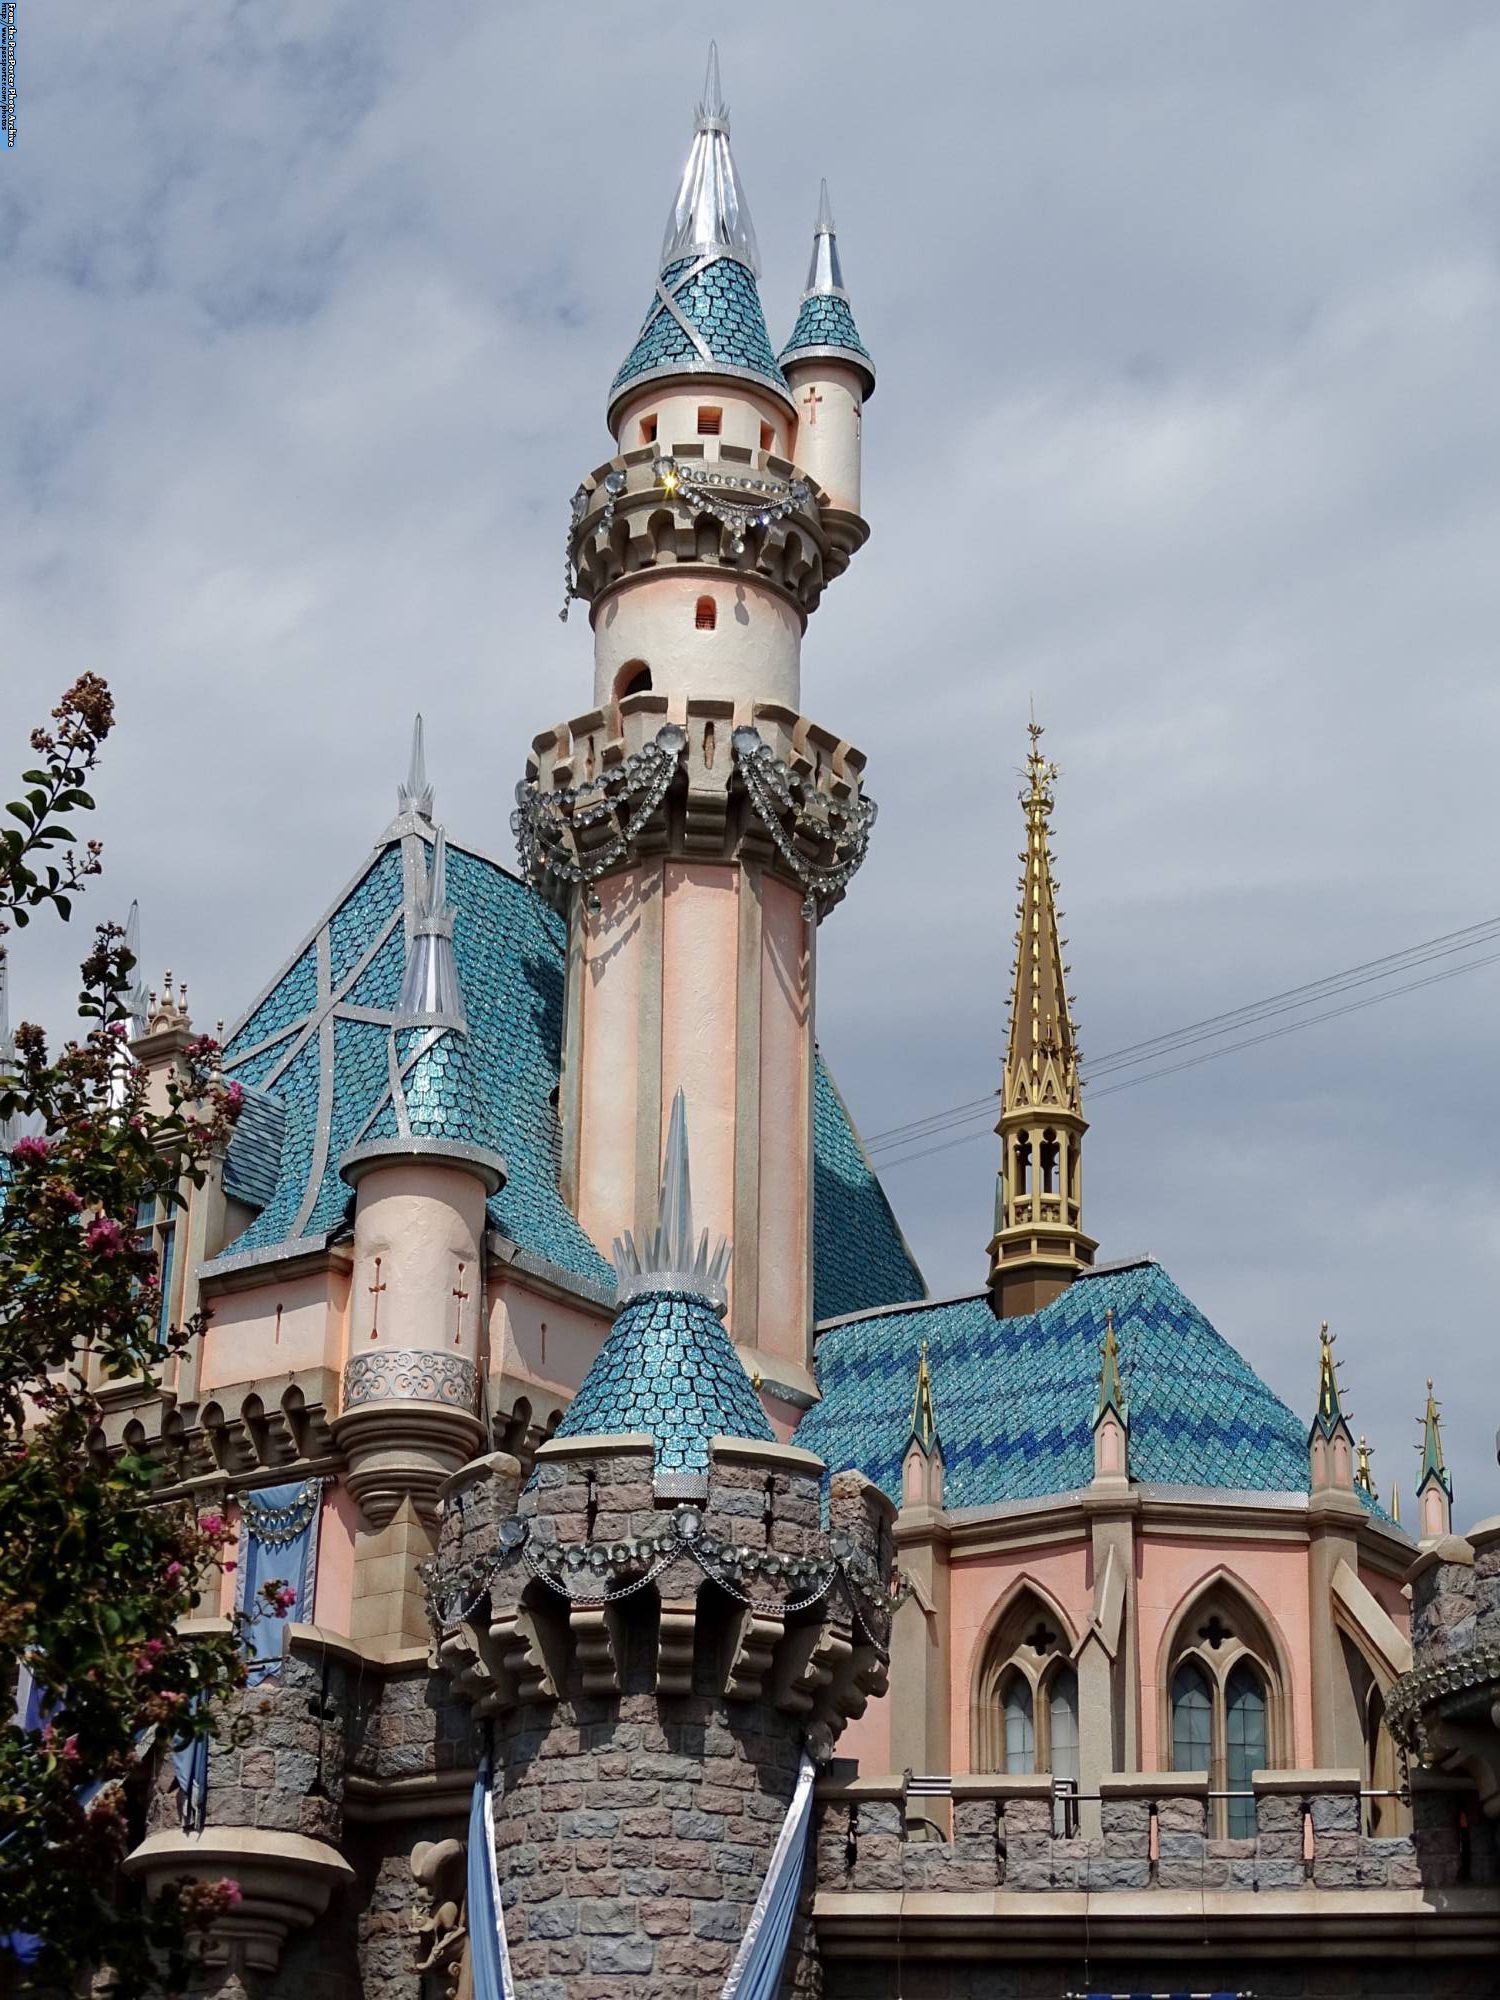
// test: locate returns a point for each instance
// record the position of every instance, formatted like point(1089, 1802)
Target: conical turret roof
point(825, 322)
point(706, 317)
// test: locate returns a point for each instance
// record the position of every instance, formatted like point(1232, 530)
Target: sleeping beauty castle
point(688, 1604)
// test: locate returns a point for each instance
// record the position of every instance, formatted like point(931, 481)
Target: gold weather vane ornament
point(1330, 1407)
point(1111, 1389)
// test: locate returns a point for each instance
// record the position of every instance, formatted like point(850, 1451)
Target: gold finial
point(1330, 1407)
point(923, 1428)
point(1396, 1502)
point(1363, 1476)
point(1431, 1447)
point(1111, 1389)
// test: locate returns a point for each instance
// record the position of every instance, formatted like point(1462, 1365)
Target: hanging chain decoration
point(279, 1527)
point(738, 501)
point(768, 500)
point(593, 1574)
point(1466, 1683)
point(547, 824)
point(797, 815)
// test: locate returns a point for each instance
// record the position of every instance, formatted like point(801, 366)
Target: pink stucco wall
point(1389, 1592)
point(1171, 1571)
point(869, 1739)
point(700, 952)
point(333, 1593)
point(609, 1058)
point(245, 1343)
point(980, 1586)
point(543, 1342)
point(785, 1043)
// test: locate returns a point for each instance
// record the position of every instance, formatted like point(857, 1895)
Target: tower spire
point(710, 216)
point(672, 1260)
point(415, 796)
point(825, 330)
point(430, 989)
point(1434, 1483)
point(923, 1432)
point(1330, 1441)
point(137, 1000)
point(1039, 1244)
point(922, 1461)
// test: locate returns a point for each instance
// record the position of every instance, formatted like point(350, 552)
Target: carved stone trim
point(405, 1375)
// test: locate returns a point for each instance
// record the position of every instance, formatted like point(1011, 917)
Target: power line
point(1212, 1055)
point(1213, 1026)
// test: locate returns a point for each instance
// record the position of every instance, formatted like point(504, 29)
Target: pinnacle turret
point(1330, 1417)
point(825, 328)
point(923, 1430)
point(430, 990)
point(706, 317)
point(415, 796)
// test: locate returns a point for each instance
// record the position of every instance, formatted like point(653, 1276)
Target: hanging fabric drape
point(489, 1957)
point(756, 1972)
point(190, 1769)
point(278, 1544)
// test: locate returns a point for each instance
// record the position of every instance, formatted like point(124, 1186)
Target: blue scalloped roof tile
point(668, 1368)
point(1014, 1398)
point(859, 1257)
point(825, 320)
point(722, 302)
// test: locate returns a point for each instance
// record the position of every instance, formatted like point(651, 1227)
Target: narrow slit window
point(709, 421)
point(648, 430)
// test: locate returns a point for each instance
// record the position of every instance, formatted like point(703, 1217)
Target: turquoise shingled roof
point(494, 1087)
point(1015, 1398)
point(491, 1088)
point(668, 1369)
point(721, 301)
point(859, 1257)
point(825, 320)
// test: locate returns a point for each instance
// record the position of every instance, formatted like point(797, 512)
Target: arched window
point(1386, 1812)
point(1192, 1719)
point(706, 616)
point(1225, 1704)
point(1020, 1726)
point(1244, 1744)
point(1050, 1153)
point(633, 678)
point(1024, 1715)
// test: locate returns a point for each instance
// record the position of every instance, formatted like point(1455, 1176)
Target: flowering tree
point(94, 1577)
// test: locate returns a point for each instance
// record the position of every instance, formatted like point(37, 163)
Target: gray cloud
point(1187, 322)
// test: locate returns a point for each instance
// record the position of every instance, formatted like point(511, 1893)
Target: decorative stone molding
point(285, 1881)
point(646, 776)
point(236, 1433)
point(746, 511)
point(403, 1374)
point(407, 1425)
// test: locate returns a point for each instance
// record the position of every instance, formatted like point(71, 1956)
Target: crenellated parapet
point(700, 779)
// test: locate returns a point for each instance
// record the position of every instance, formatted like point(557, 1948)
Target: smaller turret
point(1434, 1483)
point(830, 372)
point(922, 1466)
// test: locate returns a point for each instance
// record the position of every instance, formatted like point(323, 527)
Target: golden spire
point(1396, 1502)
point(1039, 1245)
point(923, 1431)
point(1041, 1062)
point(1363, 1476)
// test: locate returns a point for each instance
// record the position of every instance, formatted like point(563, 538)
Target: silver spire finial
point(137, 1000)
point(430, 989)
point(825, 273)
point(709, 216)
point(415, 796)
point(713, 106)
point(670, 1260)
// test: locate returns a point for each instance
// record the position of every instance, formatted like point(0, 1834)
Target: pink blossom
point(31, 1149)
point(231, 1566)
point(234, 1096)
point(230, 1891)
point(105, 1236)
point(211, 1524)
point(281, 1597)
point(173, 1572)
point(70, 1749)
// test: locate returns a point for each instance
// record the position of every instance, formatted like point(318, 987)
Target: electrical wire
point(1230, 1048)
point(1369, 972)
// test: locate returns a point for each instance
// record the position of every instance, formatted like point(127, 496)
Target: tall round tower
point(693, 824)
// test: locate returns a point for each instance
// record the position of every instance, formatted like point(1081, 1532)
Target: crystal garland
point(777, 794)
point(546, 824)
point(279, 1527)
point(1425, 1687)
point(770, 499)
point(593, 1574)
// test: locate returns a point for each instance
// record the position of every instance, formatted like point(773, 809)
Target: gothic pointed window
point(1226, 1708)
point(1020, 1726)
point(1024, 1714)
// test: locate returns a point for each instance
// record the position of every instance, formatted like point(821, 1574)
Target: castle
point(731, 1617)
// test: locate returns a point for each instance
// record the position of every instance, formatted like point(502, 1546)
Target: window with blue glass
point(1225, 1705)
point(156, 1232)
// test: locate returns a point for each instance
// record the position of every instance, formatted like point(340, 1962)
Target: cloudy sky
point(1188, 324)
